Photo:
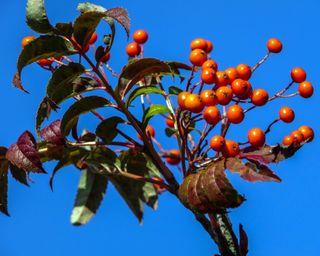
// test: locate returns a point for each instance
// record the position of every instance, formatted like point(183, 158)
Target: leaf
point(91, 191)
point(19, 175)
point(121, 16)
point(136, 71)
point(153, 110)
point(243, 241)
point(64, 29)
point(106, 130)
point(62, 93)
point(85, 25)
point(4, 190)
point(63, 77)
point(170, 131)
point(37, 18)
point(24, 154)
point(258, 172)
point(82, 106)
point(174, 90)
point(52, 133)
point(142, 91)
point(42, 47)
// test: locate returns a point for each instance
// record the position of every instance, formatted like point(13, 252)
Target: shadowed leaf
point(120, 15)
point(174, 90)
point(106, 130)
point(4, 188)
point(243, 241)
point(37, 18)
point(19, 175)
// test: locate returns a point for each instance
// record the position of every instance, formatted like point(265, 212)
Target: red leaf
point(52, 133)
point(243, 241)
point(258, 172)
point(24, 154)
point(120, 15)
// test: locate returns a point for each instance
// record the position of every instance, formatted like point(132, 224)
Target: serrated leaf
point(120, 15)
point(143, 91)
point(24, 154)
point(91, 191)
point(81, 107)
point(37, 18)
point(136, 71)
point(174, 90)
point(42, 47)
point(85, 25)
point(62, 93)
point(4, 190)
point(106, 130)
point(19, 175)
point(153, 110)
point(52, 133)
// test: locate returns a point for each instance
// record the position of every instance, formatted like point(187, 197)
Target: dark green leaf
point(142, 91)
point(170, 131)
point(37, 18)
point(19, 175)
point(153, 110)
point(106, 130)
point(82, 106)
point(64, 29)
point(174, 90)
point(85, 25)
point(4, 188)
point(91, 191)
point(136, 71)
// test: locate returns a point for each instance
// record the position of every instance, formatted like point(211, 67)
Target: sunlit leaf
point(37, 18)
point(143, 91)
point(153, 110)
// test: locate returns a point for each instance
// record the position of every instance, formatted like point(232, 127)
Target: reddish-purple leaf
point(17, 82)
point(24, 154)
point(258, 172)
point(121, 15)
point(52, 133)
point(243, 241)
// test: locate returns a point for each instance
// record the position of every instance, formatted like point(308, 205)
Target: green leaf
point(64, 29)
point(85, 25)
point(106, 130)
point(19, 175)
point(61, 93)
point(91, 191)
point(4, 166)
point(81, 107)
point(37, 18)
point(63, 76)
point(174, 90)
point(42, 47)
point(153, 110)
point(136, 71)
point(170, 131)
point(142, 91)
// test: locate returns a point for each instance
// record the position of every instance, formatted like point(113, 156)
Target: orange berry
point(259, 97)
point(212, 115)
point(93, 38)
point(140, 36)
point(241, 88)
point(256, 137)
point(150, 132)
point(286, 114)
point(209, 46)
point(222, 78)
point(210, 64)
point(298, 75)
point(105, 58)
point(197, 57)
point(208, 98)
point(217, 143)
point(230, 149)
point(307, 132)
point(235, 114)
point(297, 137)
point(274, 45)
point(288, 140)
point(199, 43)
point(27, 40)
point(232, 74)
point(305, 89)
point(173, 157)
point(244, 71)
point(45, 62)
point(224, 95)
point(208, 76)
point(133, 49)
point(169, 121)
point(181, 99)
point(194, 103)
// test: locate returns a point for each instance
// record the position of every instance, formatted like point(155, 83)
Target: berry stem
point(260, 62)
point(270, 125)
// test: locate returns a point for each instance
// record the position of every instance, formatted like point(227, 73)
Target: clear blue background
point(280, 219)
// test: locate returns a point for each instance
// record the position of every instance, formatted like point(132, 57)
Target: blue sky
point(280, 219)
